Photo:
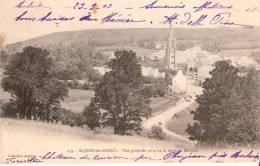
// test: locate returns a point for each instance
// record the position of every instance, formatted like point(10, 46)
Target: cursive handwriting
point(48, 17)
point(118, 18)
point(176, 155)
point(181, 156)
point(88, 17)
point(31, 4)
point(250, 155)
point(218, 155)
point(56, 156)
point(23, 160)
point(154, 5)
point(87, 12)
point(211, 5)
point(223, 19)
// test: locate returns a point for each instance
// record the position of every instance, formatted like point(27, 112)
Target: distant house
point(152, 72)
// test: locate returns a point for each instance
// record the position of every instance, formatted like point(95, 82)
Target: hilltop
point(240, 38)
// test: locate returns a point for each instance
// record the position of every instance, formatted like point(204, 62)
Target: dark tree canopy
point(33, 87)
point(92, 114)
point(228, 111)
point(119, 94)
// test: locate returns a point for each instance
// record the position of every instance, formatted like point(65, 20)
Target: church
point(183, 62)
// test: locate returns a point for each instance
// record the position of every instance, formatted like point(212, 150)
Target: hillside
point(131, 37)
point(39, 138)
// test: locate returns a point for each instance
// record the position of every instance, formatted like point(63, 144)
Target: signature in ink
point(187, 19)
point(223, 19)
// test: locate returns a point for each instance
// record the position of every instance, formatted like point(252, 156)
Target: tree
point(119, 93)
point(33, 87)
point(92, 114)
point(227, 112)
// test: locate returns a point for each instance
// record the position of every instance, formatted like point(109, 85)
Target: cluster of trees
point(76, 63)
point(228, 111)
point(120, 100)
point(34, 89)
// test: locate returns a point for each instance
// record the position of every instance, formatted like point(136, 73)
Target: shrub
point(9, 109)
point(157, 132)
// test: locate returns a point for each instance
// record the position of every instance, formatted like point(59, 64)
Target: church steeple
point(170, 60)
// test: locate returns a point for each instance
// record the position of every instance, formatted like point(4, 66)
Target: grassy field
point(160, 104)
point(39, 138)
point(179, 122)
point(77, 99)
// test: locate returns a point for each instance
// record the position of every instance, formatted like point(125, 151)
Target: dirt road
point(165, 116)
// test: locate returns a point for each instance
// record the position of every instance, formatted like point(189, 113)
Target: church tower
point(169, 60)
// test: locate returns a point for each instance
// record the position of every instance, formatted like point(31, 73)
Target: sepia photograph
point(185, 91)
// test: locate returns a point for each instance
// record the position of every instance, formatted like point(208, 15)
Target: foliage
point(34, 89)
point(159, 88)
point(9, 109)
point(228, 108)
point(76, 62)
point(119, 93)
point(92, 114)
point(156, 86)
point(157, 132)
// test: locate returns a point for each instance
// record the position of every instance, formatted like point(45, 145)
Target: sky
point(246, 12)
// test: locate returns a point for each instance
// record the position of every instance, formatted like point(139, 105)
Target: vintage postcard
point(137, 81)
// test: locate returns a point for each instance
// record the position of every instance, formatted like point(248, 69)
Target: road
point(166, 116)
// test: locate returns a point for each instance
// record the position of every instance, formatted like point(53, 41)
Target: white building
point(179, 82)
point(152, 72)
point(146, 71)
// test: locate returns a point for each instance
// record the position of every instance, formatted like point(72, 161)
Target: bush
point(92, 115)
point(66, 117)
point(9, 109)
point(157, 132)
